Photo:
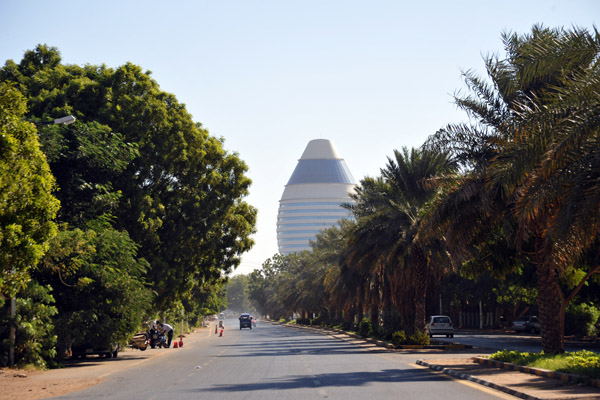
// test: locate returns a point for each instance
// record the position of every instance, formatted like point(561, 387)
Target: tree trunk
point(549, 301)
point(387, 304)
point(420, 285)
point(360, 312)
point(375, 301)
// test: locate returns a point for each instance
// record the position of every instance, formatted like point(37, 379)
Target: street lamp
point(69, 119)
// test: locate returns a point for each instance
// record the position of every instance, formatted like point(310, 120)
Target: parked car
point(245, 321)
point(84, 350)
point(440, 325)
point(527, 323)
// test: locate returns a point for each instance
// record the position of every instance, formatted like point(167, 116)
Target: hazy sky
point(269, 76)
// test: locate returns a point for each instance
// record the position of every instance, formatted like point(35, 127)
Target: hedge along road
point(274, 362)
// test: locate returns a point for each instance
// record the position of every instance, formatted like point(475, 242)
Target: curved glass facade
point(321, 171)
point(313, 197)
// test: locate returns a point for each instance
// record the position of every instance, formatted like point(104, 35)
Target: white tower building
point(313, 196)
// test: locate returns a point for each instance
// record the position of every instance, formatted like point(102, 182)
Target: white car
point(440, 325)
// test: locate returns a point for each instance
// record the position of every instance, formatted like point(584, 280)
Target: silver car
point(440, 325)
point(527, 323)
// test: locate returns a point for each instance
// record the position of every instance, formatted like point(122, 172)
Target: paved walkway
point(519, 384)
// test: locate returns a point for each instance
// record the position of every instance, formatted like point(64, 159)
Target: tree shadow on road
point(345, 379)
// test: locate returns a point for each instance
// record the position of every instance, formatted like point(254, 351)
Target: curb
point(572, 378)
point(460, 375)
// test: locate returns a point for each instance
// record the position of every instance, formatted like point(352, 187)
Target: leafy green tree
point(263, 284)
point(205, 299)
point(237, 294)
point(86, 159)
point(137, 155)
point(27, 206)
point(98, 286)
point(35, 339)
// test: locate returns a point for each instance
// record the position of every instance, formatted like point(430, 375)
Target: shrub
point(516, 357)
point(302, 321)
point(365, 328)
point(398, 338)
point(35, 343)
point(580, 319)
point(420, 338)
point(582, 362)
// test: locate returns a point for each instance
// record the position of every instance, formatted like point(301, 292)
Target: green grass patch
point(585, 363)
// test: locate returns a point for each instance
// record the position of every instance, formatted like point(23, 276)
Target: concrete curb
point(460, 375)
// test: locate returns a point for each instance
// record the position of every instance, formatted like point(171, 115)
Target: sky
point(269, 76)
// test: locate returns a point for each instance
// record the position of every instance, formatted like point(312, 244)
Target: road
point(520, 342)
point(274, 362)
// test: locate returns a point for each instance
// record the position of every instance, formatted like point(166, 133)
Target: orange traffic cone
point(181, 341)
point(215, 329)
point(221, 333)
point(175, 344)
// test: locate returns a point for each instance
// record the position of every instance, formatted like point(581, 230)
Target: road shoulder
point(77, 375)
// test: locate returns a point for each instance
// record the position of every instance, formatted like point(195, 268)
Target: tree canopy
point(137, 157)
point(27, 203)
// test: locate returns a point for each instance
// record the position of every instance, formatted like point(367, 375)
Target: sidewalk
point(520, 384)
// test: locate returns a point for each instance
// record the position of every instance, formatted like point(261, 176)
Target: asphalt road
point(274, 362)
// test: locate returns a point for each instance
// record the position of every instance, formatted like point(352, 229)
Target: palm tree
point(552, 159)
point(530, 162)
point(417, 255)
point(389, 211)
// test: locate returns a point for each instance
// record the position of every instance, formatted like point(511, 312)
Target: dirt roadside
point(78, 374)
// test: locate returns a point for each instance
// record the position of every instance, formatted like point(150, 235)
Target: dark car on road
point(528, 323)
point(245, 321)
point(84, 350)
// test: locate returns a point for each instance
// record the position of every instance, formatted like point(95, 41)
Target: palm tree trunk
point(549, 301)
point(420, 285)
point(360, 312)
point(375, 301)
point(387, 304)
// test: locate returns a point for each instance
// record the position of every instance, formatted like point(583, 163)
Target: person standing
point(168, 331)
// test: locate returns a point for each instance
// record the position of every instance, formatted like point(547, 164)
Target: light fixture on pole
point(69, 119)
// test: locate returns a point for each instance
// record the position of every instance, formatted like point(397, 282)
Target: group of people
point(164, 328)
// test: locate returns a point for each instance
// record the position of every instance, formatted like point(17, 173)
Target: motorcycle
point(140, 341)
point(157, 338)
